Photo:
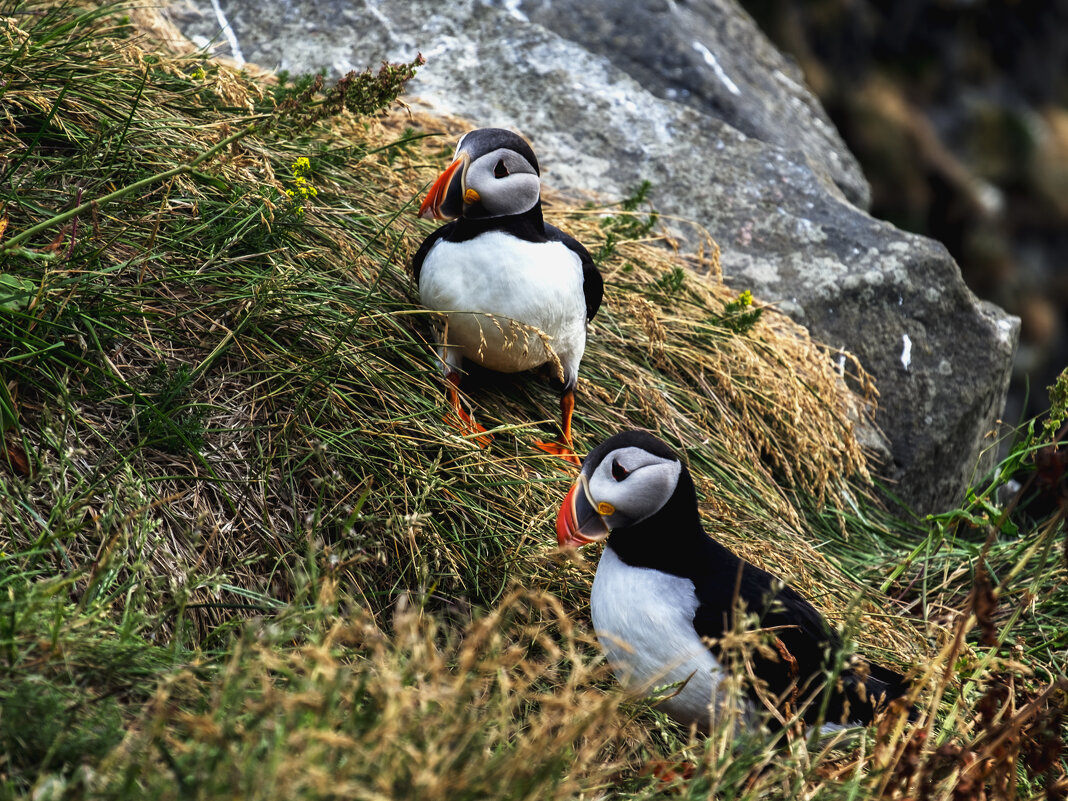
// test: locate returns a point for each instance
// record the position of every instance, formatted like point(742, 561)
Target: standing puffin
point(664, 589)
point(516, 293)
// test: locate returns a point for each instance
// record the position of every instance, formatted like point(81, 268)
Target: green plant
point(740, 315)
point(1058, 397)
point(44, 727)
point(164, 416)
point(628, 223)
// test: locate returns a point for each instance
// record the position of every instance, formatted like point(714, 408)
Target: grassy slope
point(251, 559)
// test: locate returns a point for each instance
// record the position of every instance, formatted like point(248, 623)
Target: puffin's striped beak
point(445, 199)
point(578, 522)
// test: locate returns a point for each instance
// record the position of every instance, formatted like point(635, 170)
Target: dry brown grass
point(511, 700)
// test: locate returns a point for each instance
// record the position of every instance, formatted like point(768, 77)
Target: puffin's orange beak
point(578, 523)
point(444, 190)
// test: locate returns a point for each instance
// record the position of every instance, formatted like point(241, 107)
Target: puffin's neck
point(672, 540)
point(529, 226)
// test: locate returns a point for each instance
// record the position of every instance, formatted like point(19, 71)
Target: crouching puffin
point(665, 593)
point(516, 293)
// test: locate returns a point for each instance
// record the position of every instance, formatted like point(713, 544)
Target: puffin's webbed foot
point(561, 449)
point(563, 446)
point(460, 419)
point(462, 422)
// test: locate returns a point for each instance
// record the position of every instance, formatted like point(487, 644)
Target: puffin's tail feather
point(868, 692)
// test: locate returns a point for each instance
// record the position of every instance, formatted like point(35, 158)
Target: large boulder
point(774, 185)
point(711, 57)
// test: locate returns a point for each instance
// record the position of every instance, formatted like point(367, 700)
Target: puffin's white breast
point(535, 284)
point(644, 621)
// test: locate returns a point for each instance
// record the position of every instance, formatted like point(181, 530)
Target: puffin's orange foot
point(559, 449)
point(466, 426)
point(667, 772)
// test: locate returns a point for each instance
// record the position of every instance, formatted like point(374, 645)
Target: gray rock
point(712, 57)
point(940, 357)
point(785, 228)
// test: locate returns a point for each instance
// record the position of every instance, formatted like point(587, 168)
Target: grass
point(241, 553)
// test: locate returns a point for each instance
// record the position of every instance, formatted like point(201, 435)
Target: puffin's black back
point(674, 541)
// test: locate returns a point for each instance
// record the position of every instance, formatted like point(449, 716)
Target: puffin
point(665, 594)
point(516, 293)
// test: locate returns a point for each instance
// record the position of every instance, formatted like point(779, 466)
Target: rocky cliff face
point(959, 114)
point(722, 126)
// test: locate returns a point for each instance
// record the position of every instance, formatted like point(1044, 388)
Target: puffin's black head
point(494, 174)
point(626, 480)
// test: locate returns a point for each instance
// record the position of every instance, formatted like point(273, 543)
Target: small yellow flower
point(198, 74)
point(746, 298)
point(302, 190)
point(301, 166)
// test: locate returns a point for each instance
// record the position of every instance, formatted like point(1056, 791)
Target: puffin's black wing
point(805, 635)
point(811, 648)
point(592, 283)
point(429, 242)
point(793, 621)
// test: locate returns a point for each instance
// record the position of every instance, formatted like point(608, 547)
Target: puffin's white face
point(633, 482)
point(493, 174)
point(625, 487)
point(503, 182)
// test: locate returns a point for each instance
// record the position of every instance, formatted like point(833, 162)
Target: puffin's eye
point(619, 472)
point(500, 171)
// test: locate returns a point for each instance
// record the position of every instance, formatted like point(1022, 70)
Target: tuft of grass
point(44, 726)
point(507, 705)
point(164, 418)
point(627, 223)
